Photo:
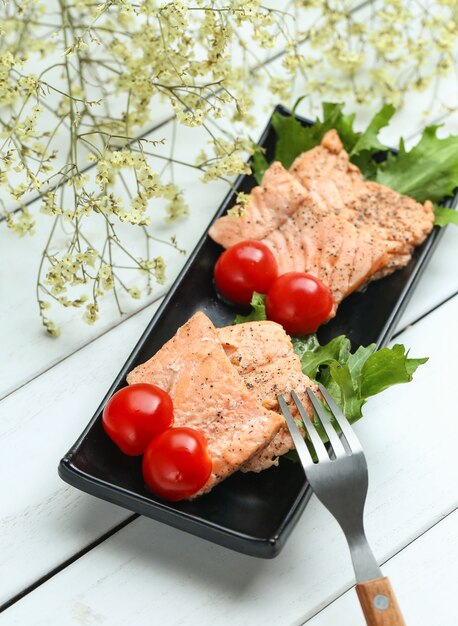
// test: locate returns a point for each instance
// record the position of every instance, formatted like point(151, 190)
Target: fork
point(340, 482)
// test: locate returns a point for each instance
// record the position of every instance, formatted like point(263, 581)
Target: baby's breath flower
point(21, 223)
point(201, 158)
point(89, 257)
point(280, 87)
point(243, 200)
point(49, 205)
point(134, 293)
point(91, 314)
point(51, 328)
point(177, 207)
point(105, 276)
point(154, 266)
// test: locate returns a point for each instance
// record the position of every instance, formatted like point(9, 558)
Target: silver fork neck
point(364, 563)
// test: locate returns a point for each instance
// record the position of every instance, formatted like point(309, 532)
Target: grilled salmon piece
point(393, 217)
point(344, 230)
point(208, 394)
point(331, 248)
point(264, 357)
point(327, 172)
point(271, 204)
point(348, 231)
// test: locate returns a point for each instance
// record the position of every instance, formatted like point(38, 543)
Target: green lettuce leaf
point(259, 165)
point(293, 138)
point(429, 171)
point(368, 143)
point(352, 377)
point(344, 390)
point(258, 313)
point(368, 140)
point(444, 216)
point(313, 356)
point(387, 367)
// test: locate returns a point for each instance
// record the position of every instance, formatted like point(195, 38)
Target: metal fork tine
point(347, 430)
point(312, 433)
point(333, 437)
point(301, 447)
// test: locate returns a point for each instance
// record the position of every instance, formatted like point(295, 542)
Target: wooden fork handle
point(379, 603)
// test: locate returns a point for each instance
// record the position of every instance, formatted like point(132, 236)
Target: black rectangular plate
point(250, 513)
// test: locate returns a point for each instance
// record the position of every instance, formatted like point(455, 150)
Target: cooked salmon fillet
point(330, 247)
point(264, 357)
point(392, 217)
point(208, 394)
point(279, 196)
point(341, 228)
point(326, 171)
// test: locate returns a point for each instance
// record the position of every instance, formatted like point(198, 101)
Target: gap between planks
point(423, 315)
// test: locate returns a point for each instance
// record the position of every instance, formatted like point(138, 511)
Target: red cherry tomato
point(299, 302)
point(136, 414)
point(243, 268)
point(176, 464)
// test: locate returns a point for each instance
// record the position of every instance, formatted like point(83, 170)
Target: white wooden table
point(68, 558)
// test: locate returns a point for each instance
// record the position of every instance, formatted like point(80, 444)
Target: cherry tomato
point(243, 268)
point(299, 302)
point(176, 464)
point(136, 414)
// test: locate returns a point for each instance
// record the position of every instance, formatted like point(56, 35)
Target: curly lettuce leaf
point(351, 378)
point(429, 171)
point(444, 216)
point(293, 138)
point(368, 143)
point(387, 367)
point(313, 355)
point(368, 140)
point(258, 313)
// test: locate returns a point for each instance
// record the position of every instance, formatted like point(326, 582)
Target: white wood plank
point(43, 521)
point(143, 569)
point(28, 351)
point(424, 577)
